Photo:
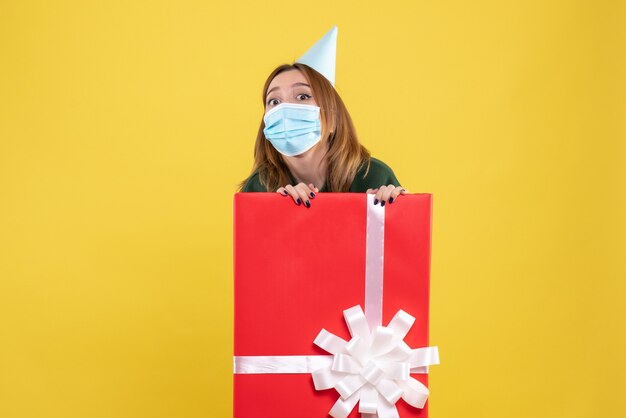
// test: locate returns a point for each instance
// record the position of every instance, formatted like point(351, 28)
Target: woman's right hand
point(301, 193)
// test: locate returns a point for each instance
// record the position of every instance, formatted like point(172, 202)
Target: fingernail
point(382, 203)
point(307, 204)
point(390, 200)
point(312, 194)
point(286, 193)
point(375, 201)
point(298, 201)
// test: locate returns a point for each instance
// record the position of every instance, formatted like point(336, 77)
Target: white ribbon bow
point(373, 368)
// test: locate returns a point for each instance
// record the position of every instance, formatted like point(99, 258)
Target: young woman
point(307, 143)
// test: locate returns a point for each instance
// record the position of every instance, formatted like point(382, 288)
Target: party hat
point(321, 56)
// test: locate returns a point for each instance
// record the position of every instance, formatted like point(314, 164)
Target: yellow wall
point(125, 125)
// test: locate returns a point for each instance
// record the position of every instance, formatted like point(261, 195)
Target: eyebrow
point(293, 85)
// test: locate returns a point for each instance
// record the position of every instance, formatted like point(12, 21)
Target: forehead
point(285, 79)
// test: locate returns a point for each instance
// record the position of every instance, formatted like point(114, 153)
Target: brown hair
point(345, 155)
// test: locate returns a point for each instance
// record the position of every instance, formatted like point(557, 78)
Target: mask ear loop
point(330, 132)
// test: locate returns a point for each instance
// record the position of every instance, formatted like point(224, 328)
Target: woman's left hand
point(387, 193)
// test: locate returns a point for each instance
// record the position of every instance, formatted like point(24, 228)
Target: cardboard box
point(297, 269)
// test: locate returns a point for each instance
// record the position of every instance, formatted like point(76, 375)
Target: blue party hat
point(322, 56)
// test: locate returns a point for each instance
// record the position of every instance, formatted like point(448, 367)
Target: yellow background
point(125, 125)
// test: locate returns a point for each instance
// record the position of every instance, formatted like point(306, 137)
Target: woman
point(307, 143)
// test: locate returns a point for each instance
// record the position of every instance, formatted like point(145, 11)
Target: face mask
point(293, 128)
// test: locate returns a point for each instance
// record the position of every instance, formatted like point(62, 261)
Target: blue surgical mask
point(293, 128)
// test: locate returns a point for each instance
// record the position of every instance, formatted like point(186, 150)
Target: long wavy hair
point(345, 154)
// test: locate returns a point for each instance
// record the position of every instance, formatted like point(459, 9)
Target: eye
point(272, 102)
point(306, 96)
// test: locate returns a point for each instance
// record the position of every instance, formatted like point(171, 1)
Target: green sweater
point(380, 174)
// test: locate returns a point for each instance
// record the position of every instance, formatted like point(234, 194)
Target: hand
point(300, 193)
point(387, 193)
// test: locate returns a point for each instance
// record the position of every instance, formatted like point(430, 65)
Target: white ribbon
point(373, 368)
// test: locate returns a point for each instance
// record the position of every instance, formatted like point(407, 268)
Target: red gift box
point(297, 269)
